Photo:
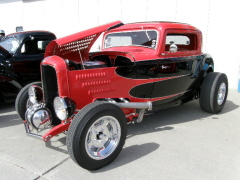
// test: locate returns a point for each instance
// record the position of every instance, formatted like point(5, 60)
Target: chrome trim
point(221, 93)
point(60, 101)
point(69, 106)
point(143, 105)
point(131, 114)
point(131, 105)
point(140, 117)
point(28, 132)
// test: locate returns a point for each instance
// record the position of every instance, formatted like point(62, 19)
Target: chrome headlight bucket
point(39, 117)
point(64, 107)
point(35, 94)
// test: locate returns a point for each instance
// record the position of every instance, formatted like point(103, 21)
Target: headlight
point(64, 107)
point(35, 94)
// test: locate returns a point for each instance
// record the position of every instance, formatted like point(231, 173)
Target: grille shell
point(50, 89)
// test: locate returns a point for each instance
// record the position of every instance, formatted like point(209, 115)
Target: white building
point(217, 19)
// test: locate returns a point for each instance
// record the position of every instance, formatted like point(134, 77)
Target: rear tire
point(213, 93)
point(22, 101)
point(96, 135)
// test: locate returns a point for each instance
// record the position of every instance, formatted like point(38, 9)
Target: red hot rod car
point(141, 68)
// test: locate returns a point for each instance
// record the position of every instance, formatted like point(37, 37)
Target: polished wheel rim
point(221, 93)
point(103, 137)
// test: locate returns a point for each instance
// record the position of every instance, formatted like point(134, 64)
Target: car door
point(175, 71)
point(145, 70)
point(29, 56)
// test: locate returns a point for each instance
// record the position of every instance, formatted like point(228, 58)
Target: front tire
point(214, 92)
point(22, 101)
point(96, 135)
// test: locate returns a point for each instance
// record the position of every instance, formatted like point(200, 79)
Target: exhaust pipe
point(142, 106)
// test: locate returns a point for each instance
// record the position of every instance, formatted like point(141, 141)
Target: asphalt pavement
point(180, 143)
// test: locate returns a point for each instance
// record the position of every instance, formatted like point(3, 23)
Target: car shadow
point(130, 154)
point(60, 146)
point(162, 121)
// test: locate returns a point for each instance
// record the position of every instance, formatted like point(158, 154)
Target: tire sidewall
point(220, 78)
point(209, 92)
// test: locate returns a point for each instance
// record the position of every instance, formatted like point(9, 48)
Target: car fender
point(9, 88)
point(207, 63)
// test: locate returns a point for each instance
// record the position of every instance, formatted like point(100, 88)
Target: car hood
point(3, 53)
point(76, 47)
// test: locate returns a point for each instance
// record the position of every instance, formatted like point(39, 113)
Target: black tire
point(80, 137)
point(210, 97)
point(1, 99)
point(22, 99)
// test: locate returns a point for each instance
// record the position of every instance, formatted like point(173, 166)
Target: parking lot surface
point(179, 143)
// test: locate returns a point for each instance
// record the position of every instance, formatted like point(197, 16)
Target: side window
point(42, 44)
point(36, 46)
point(184, 42)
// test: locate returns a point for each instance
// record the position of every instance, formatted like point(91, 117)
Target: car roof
point(156, 25)
point(23, 34)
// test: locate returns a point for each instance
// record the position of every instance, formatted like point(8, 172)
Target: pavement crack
point(39, 176)
point(18, 166)
point(55, 166)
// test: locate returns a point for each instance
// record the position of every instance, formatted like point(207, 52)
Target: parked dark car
point(20, 57)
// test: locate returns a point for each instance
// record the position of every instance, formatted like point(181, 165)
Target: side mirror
point(173, 48)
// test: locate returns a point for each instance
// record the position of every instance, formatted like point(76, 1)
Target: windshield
point(146, 38)
point(10, 44)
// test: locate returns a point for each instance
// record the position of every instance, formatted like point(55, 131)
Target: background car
point(20, 57)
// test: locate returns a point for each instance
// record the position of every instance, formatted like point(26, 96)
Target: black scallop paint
point(181, 76)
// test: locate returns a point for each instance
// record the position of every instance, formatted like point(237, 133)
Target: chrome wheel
point(221, 93)
point(103, 137)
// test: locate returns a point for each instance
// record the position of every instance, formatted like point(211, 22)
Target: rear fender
point(207, 64)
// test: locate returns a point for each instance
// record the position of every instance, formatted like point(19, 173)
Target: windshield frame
point(7, 44)
point(134, 45)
